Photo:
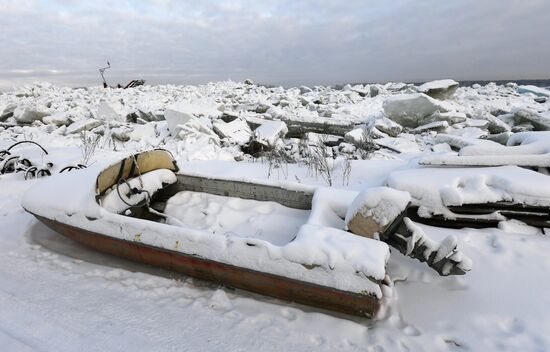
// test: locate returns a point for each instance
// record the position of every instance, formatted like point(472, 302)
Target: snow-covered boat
point(138, 208)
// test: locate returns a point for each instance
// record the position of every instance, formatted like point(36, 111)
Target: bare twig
point(90, 141)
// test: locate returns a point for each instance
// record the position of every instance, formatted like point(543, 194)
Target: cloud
point(280, 42)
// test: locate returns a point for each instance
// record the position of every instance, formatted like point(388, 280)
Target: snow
point(357, 136)
point(106, 112)
point(83, 125)
point(522, 149)
point(382, 203)
point(236, 131)
point(269, 132)
point(432, 189)
point(339, 248)
point(58, 119)
point(28, 115)
point(388, 126)
point(229, 216)
point(436, 125)
point(405, 144)
point(54, 292)
point(180, 113)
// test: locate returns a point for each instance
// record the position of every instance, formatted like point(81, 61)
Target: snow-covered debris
point(83, 125)
point(442, 256)
point(107, 112)
point(405, 143)
point(176, 118)
point(523, 149)
point(523, 127)
point(387, 126)
point(335, 249)
point(374, 209)
point(541, 121)
point(433, 189)
point(6, 111)
point(440, 89)
point(495, 125)
point(121, 133)
point(474, 133)
point(451, 117)
point(58, 119)
point(537, 160)
point(237, 131)
point(179, 113)
point(516, 226)
point(438, 126)
point(198, 128)
point(458, 142)
point(410, 110)
point(316, 139)
point(501, 138)
point(538, 91)
point(479, 123)
point(28, 115)
point(524, 143)
point(357, 136)
point(269, 132)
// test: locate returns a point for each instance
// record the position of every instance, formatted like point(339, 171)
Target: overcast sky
point(287, 42)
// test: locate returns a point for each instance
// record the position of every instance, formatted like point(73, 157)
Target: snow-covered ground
point(56, 295)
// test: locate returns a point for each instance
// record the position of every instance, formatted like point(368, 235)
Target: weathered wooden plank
point(245, 190)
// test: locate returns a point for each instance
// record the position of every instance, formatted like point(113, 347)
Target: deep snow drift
point(56, 295)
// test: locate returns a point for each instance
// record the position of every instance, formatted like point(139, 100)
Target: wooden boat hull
point(229, 275)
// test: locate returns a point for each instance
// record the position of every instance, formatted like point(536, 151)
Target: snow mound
point(433, 189)
point(522, 149)
point(269, 132)
point(382, 203)
point(230, 216)
point(325, 246)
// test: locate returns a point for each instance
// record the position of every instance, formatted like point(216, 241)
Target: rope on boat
point(133, 191)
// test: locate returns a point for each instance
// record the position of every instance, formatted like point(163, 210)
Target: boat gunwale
point(348, 302)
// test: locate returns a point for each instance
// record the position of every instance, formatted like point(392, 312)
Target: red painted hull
point(233, 276)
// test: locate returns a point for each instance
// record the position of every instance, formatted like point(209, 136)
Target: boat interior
point(219, 206)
